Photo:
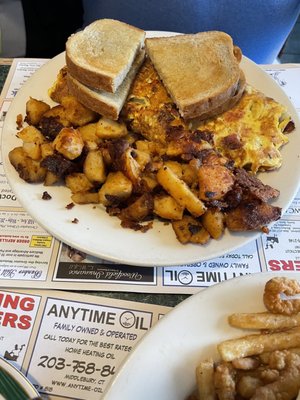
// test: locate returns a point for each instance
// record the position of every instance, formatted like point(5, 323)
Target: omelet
point(149, 110)
point(250, 134)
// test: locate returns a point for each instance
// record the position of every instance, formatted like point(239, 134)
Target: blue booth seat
point(258, 27)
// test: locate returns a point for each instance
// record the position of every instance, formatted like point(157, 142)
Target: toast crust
point(83, 95)
point(200, 71)
point(107, 104)
point(101, 55)
point(228, 104)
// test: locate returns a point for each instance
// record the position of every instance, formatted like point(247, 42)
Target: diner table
point(165, 299)
point(255, 257)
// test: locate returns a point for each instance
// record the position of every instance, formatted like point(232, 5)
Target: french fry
point(258, 343)
point(205, 380)
point(264, 320)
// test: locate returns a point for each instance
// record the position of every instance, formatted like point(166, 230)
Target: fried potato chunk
point(190, 230)
point(27, 168)
point(178, 189)
point(35, 110)
point(166, 206)
point(109, 129)
point(94, 167)
point(116, 188)
point(214, 181)
point(69, 143)
point(78, 182)
point(213, 221)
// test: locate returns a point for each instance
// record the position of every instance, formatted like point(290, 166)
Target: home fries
point(148, 135)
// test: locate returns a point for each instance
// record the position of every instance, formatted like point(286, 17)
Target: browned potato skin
point(32, 135)
point(178, 189)
point(27, 168)
point(69, 143)
point(78, 182)
point(35, 109)
point(76, 113)
point(51, 179)
point(94, 167)
point(166, 207)
point(89, 137)
point(117, 186)
point(59, 113)
point(85, 198)
point(190, 230)
point(214, 181)
point(214, 222)
point(109, 129)
point(140, 209)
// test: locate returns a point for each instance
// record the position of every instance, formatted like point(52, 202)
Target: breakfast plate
point(101, 235)
point(162, 365)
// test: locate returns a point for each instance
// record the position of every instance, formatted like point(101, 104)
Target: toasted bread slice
point(107, 104)
point(200, 71)
point(101, 55)
point(229, 103)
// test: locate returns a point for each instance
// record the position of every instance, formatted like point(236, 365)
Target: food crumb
point(19, 121)
point(70, 206)
point(46, 196)
point(75, 221)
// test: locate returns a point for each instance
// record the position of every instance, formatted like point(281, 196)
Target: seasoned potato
point(76, 112)
point(116, 188)
point(78, 182)
point(27, 168)
point(140, 209)
point(142, 158)
point(51, 178)
point(31, 134)
point(94, 167)
point(190, 230)
point(178, 189)
point(59, 113)
point(190, 172)
point(88, 134)
point(85, 197)
point(175, 166)
point(214, 181)
point(130, 166)
point(166, 207)
point(46, 149)
point(33, 150)
point(109, 129)
point(152, 148)
point(69, 143)
point(149, 179)
point(35, 110)
point(213, 221)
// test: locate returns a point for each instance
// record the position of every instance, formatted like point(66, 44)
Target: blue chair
point(258, 27)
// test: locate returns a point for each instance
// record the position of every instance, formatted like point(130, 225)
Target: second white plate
point(162, 366)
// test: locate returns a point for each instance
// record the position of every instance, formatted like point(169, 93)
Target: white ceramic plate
point(19, 380)
point(100, 235)
point(162, 366)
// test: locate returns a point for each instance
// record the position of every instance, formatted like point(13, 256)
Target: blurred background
point(267, 30)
